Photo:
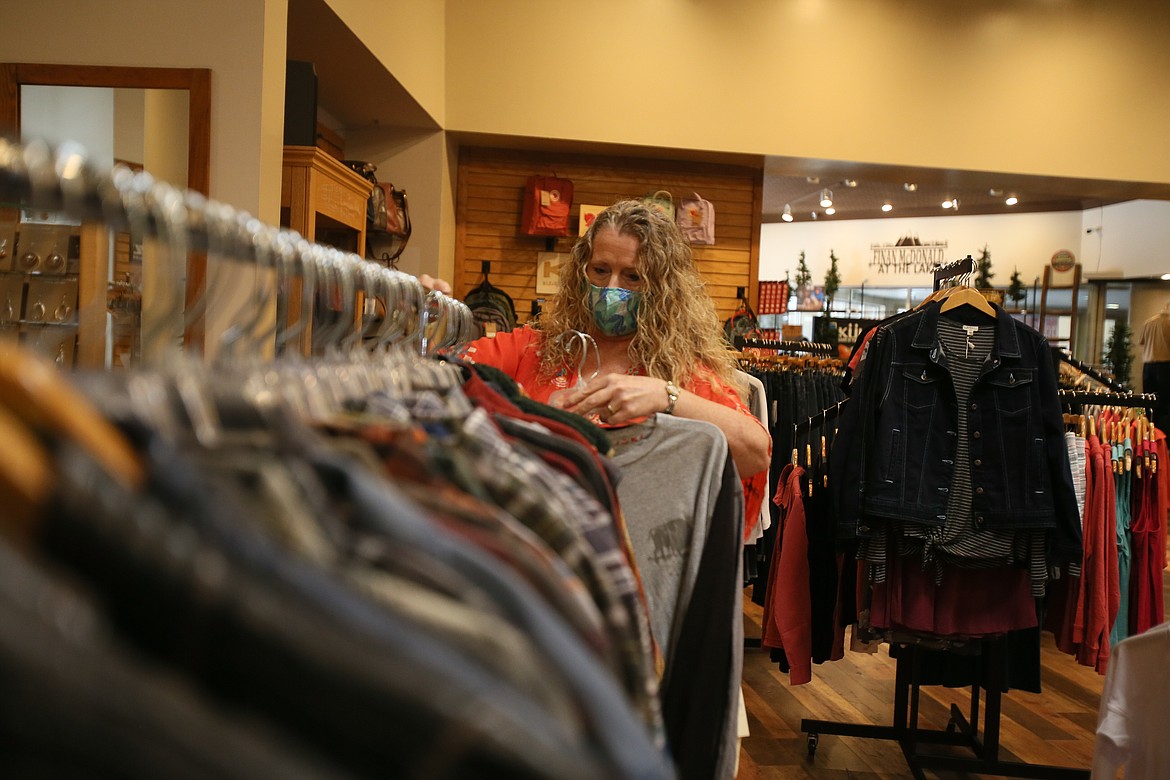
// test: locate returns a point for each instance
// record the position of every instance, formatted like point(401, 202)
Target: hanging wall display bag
point(547, 202)
point(696, 218)
point(661, 200)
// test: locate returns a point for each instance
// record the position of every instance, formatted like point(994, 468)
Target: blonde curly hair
point(678, 328)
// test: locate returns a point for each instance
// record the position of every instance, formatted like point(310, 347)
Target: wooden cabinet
point(325, 201)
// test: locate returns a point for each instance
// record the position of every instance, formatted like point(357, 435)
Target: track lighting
point(887, 206)
point(787, 215)
point(813, 214)
point(1012, 200)
point(826, 198)
point(850, 183)
point(946, 204)
point(910, 186)
point(830, 211)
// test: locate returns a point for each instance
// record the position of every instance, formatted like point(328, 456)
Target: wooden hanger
point(36, 394)
point(970, 297)
point(26, 476)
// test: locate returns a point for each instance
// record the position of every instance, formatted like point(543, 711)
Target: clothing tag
point(970, 345)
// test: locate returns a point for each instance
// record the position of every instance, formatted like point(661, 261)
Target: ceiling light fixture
point(995, 193)
point(830, 211)
point(851, 183)
point(826, 198)
point(813, 179)
point(910, 187)
point(787, 215)
point(813, 214)
point(1166, 277)
point(1012, 200)
point(887, 206)
point(948, 203)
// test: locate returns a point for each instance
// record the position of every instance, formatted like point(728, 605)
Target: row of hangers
point(62, 180)
point(1129, 435)
point(178, 394)
point(959, 293)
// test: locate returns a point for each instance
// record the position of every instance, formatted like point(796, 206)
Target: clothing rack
point(808, 347)
point(820, 418)
point(962, 729)
point(63, 180)
point(1090, 372)
point(1127, 400)
point(957, 268)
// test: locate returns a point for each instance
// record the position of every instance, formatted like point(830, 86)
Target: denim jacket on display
point(901, 435)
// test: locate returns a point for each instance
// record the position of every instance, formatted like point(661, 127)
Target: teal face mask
point(615, 309)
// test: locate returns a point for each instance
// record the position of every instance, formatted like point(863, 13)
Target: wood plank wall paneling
point(488, 209)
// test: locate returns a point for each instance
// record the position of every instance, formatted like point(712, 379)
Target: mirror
point(21, 82)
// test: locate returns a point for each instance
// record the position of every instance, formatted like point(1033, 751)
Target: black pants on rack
point(1156, 379)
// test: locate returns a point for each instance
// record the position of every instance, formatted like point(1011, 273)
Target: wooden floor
point(1055, 727)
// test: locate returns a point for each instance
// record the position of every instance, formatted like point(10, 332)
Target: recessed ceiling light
point(887, 207)
point(1012, 200)
point(830, 211)
point(910, 186)
point(1166, 277)
point(787, 215)
point(946, 204)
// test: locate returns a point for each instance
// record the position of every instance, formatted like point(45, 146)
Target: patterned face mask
point(615, 309)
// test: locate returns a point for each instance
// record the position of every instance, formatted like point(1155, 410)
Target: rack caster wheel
point(812, 744)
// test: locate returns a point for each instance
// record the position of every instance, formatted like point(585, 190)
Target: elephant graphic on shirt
point(670, 539)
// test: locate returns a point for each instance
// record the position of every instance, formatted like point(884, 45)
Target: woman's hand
point(434, 283)
point(618, 398)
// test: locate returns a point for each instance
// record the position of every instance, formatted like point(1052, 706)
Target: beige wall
point(407, 37)
point(1062, 87)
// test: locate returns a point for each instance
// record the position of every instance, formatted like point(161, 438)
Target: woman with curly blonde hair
point(631, 285)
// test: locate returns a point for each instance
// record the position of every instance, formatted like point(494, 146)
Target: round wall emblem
point(1063, 260)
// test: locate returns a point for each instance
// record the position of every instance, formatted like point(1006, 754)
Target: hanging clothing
point(1131, 729)
point(517, 354)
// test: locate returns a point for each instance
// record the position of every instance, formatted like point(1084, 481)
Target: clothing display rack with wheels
point(962, 730)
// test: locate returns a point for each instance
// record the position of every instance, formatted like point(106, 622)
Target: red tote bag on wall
point(547, 202)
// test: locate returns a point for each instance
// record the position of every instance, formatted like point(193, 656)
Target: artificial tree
point(1118, 359)
point(803, 275)
point(832, 281)
point(1015, 290)
point(983, 280)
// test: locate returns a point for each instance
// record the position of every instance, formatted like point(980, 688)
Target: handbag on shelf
point(695, 217)
point(661, 200)
point(547, 202)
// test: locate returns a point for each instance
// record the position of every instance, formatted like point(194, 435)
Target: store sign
point(908, 255)
point(1063, 260)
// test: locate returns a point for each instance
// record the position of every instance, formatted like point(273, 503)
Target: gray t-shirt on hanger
point(671, 474)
